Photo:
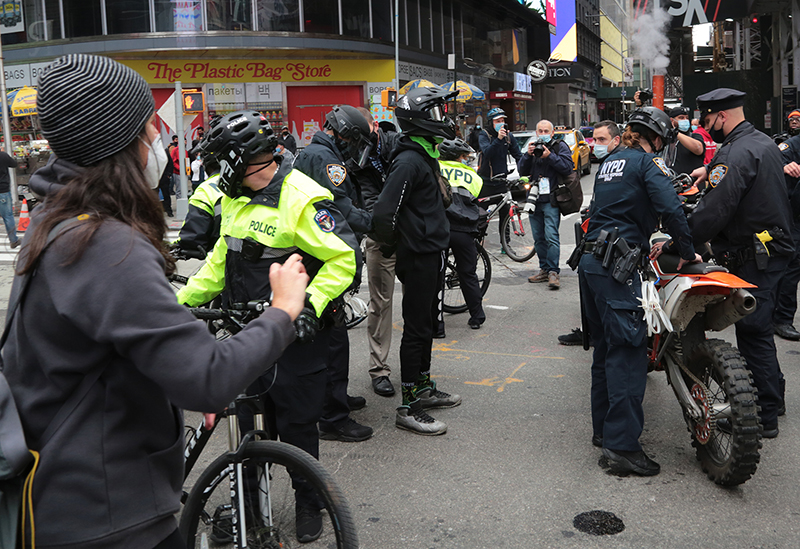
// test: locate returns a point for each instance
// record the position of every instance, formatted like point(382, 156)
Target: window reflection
point(321, 16)
point(184, 16)
point(126, 16)
point(413, 23)
point(382, 19)
point(425, 19)
point(34, 21)
point(81, 17)
point(229, 15)
point(278, 15)
point(355, 18)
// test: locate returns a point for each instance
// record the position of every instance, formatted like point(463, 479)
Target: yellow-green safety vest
point(461, 175)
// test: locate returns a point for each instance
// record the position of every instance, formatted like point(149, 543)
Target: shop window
point(438, 30)
point(412, 16)
point(321, 16)
point(278, 15)
point(382, 19)
point(355, 18)
point(425, 18)
point(127, 16)
point(81, 17)
point(183, 16)
point(229, 15)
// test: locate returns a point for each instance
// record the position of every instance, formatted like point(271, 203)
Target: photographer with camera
point(687, 151)
point(545, 161)
point(642, 96)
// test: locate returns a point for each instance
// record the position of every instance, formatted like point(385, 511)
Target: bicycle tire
point(209, 515)
point(453, 300)
point(517, 239)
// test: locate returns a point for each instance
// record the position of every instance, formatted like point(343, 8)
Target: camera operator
point(642, 96)
point(687, 152)
point(544, 162)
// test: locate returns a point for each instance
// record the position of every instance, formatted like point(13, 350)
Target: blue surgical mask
point(499, 126)
point(601, 151)
point(545, 138)
point(683, 125)
point(465, 161)
point(694, 127)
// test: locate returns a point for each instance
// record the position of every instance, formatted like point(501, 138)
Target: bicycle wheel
point(260, 483)
point(453, 301)
point(517, 236)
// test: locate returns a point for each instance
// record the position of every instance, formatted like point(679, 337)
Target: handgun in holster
point(608, 256)
point(626, 260)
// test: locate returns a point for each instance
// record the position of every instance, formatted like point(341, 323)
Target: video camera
point(645, 95)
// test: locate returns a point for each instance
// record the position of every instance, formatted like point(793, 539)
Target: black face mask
point(717, 135)
point(373, 138)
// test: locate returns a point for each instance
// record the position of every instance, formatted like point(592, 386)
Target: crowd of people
point(275, 226)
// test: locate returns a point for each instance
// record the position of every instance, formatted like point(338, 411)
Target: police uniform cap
point(719, 100)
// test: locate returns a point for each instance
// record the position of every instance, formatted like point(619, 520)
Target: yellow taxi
point(581, 150)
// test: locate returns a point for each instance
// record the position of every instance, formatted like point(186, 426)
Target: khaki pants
point(380, 279)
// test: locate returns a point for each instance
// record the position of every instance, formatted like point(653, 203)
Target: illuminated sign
point(193, 102)
point(545, 8)
point(686, 13)
point(564, 44)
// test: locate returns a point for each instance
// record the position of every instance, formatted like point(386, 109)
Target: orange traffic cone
point(24, 218)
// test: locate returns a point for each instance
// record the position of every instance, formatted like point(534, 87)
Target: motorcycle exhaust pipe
point(732, 309)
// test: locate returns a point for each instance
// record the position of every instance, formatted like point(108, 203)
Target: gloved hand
point(387, 251)
point(306, 325)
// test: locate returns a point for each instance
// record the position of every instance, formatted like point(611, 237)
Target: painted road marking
point(492, 381)
point(497, 307)
point(446, 348)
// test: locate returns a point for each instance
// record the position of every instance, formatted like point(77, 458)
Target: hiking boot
point(413, 418)
point(631, 462)
point(308, 524)
point(15, 244)
point(434, 398)
point(541, 276)
point(554, 281)
point(349, 431)
point(573, 338)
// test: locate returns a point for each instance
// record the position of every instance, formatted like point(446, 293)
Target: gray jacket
point(111, 476)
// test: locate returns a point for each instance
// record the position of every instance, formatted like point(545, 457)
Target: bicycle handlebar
point(236, 309)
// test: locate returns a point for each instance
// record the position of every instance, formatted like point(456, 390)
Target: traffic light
point(389, 98)
point(193, 102)
point(754, 19)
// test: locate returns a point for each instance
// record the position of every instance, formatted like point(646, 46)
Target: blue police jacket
point(631, 190)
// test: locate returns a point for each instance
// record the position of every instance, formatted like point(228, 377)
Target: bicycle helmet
point(233, 141)
point(453, 149)
point(420, 113)
point(496, 113)
point(351, 133)
point(652, 118)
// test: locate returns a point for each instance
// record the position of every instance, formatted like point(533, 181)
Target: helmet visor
point(437, 113)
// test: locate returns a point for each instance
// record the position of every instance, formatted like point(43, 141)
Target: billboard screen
point(545, 8)
point(564, 43)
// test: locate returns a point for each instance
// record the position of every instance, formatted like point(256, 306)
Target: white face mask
point(156, 162)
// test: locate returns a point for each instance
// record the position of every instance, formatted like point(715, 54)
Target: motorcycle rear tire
point(727, 459)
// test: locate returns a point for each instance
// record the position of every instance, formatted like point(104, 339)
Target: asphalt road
point(517, 465)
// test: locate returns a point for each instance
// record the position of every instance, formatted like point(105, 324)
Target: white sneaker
point(413, 418)
point(434, 398)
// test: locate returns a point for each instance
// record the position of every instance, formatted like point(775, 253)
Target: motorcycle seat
point(668, 264)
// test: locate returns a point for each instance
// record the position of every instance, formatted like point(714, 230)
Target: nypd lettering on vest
point(325, 221)
point(611, 169)
point(454, 175)
point(261, 227)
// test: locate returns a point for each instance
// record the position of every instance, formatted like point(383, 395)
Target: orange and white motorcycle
point(709, 376)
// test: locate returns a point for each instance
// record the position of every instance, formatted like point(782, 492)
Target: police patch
point(783, 146)
point(658, 161)
point(325, 221)
point(716, 175)
point(336, 174)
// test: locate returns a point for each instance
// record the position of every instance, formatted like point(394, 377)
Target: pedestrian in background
point(7, 162)
point(701, 129)
point(198, 173)
point(786, 302)
point(289, 141)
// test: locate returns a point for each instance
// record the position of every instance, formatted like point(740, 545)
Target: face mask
point(717, 135)
point(499, 126)
point(156, 162)
point(545, 138)
point(684, 125)
point(465, 161)
point(694, 127)
point(601, 151)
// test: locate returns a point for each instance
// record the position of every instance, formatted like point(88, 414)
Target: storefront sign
point(570, 72)
point(537, 70)
point(229, 94)
point(377, 87)
point(511, 95)
point(411, 71)
point(263, 93)
point(240, 71)
point(18, 76)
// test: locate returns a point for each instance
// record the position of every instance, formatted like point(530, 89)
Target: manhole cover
point(598, 523)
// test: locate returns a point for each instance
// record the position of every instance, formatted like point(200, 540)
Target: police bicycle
point(246, 497)
point(516, 233)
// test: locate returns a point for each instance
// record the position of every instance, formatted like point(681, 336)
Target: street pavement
point(516, 465)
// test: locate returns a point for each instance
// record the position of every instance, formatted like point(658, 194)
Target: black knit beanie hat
point(91, 107)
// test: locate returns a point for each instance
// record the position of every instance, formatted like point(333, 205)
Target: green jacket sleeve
point(209, 281)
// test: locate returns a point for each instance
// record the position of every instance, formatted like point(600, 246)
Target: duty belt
point(236, 244)
point(588, 246)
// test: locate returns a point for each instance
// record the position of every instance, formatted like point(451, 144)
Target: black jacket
point(747, 195)
point(494, 153)
point(559, 163)
point(290, 143)
point(6, 162)
point(322, 162)
point(369, 178)
point(410, 212)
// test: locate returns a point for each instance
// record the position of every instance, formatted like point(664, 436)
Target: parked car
point(587, 132)
point(580, 149)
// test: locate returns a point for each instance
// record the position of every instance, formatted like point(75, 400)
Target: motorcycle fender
point(673, 294)
point(725, 280)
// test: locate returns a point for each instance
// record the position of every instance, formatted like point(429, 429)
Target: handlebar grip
point(207, 314)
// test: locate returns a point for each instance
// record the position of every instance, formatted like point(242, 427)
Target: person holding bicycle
point(100, 357)
point(269, 212)
point(465, 218)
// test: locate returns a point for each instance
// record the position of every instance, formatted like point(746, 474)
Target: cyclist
point(409, 217)
point(99, 319)
point(464, 216)
point(269, 211)
point(346, 138)
point(200, 229)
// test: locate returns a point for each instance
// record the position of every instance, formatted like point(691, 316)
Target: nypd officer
point(345, 140)
point(269, 212)
point(746, 216)
point(631, 190)
point(786, 304)
point(200, 229)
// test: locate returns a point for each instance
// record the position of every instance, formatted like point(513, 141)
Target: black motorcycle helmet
point(233, 141)
point(349, 124)
point(420, 113)
point(453, 149)
point(653, 119)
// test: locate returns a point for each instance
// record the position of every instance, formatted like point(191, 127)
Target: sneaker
point(474, 324)
point(15, 244)
point(308, 524)
point(434, 398)
point(554, 281)
point(349, 431)
point(541, 276)
point(631, 462)
point(573, 338)
point(356, 402)
point(413, 418)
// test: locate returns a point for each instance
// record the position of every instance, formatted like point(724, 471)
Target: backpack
point(18, 463)
point(568, 194)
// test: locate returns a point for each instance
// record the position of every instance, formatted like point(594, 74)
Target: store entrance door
point(308, 106)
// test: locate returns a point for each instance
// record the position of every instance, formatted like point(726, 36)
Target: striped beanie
point(91, 107)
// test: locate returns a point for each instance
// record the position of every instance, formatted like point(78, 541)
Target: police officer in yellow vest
point(269, 212)
point(200, 229)
point(464, 216)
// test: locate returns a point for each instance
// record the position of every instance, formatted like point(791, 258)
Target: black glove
point(387, 251)
point(306, 325)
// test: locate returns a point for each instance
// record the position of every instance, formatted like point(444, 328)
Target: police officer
point(346, 138)
point(464, 216)
point(269, 212)
point(746, 216)
point(409, 217)
point(786, 303)
point(200, 229)
point(631, 190)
